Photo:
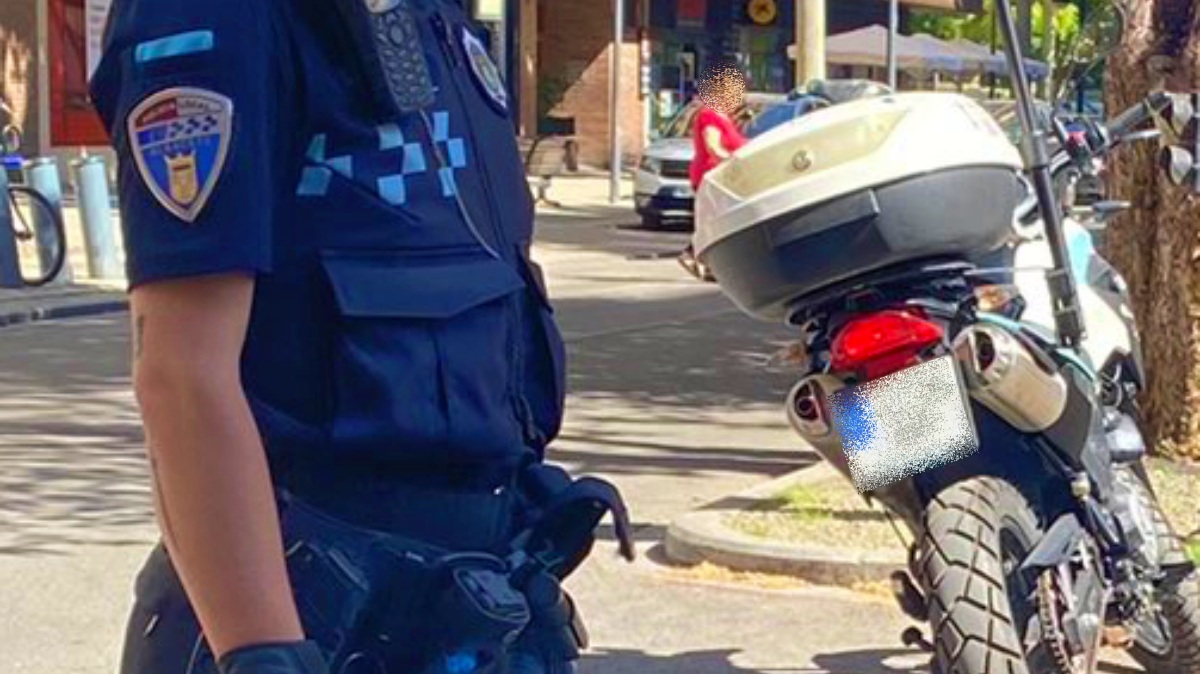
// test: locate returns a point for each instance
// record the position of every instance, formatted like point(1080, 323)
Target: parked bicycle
point(38, 227)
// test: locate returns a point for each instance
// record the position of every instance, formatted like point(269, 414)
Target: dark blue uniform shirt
point(396, 315)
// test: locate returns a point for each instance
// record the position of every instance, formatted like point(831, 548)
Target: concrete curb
point(74, 306)
point(702, 536)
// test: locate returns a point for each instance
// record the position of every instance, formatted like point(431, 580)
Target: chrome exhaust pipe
point(1004, 376)
point(808, 414)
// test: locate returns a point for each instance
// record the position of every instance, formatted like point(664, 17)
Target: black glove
point(554, 637)
point(299, 657)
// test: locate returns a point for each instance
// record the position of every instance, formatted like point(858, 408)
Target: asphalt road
point(668, 398)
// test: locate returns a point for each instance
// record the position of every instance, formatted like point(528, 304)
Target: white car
point(662, 188)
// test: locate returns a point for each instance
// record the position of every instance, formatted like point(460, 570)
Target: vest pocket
point(423, 355)
point(547, 357)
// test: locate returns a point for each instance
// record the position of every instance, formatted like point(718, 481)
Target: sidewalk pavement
point(18, 306)
point(583, 195)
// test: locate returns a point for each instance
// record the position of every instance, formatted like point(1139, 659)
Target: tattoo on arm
point(139, 343)
point(160, 502)
point(139, 335)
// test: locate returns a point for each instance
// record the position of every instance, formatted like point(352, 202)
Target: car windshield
point(780, 113)
point(681, 125)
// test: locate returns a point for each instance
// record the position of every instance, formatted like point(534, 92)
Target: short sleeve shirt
point(381, 206)
point(731, 139)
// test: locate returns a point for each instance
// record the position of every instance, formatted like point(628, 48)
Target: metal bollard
point(95, 209)
point(10, 269)
point(43, 178)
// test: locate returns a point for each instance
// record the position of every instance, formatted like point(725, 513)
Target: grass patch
point(828, 513)
point(1193, 550)
point(809, 503)
point(1177, 486)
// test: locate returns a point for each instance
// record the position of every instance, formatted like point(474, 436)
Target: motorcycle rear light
point(884, 342)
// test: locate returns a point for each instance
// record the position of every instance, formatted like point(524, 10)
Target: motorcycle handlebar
point(1114, 131)
point(1131, 119)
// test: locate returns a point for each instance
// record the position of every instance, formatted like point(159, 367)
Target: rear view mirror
point(1178, 114)
point(1178, 163)
point(1178, 122)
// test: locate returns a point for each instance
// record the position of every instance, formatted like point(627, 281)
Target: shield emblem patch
point(180, 138)
point(487, 76)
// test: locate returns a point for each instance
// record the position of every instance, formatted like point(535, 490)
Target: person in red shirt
point(715, 136)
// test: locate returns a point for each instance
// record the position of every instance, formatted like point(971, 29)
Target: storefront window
point(689, 36)
point(764, 59)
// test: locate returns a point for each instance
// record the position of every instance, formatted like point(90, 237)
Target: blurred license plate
point(905, 423)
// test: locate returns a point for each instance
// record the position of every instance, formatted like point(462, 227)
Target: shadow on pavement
point(610, 229)
point(694, 355)
point(614, 459)
point(719, 661)
point(72, 469)
point(683, 394)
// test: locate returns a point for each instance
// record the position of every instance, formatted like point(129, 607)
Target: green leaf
point(1193, 550)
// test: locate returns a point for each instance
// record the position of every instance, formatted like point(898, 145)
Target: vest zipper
point(446, 39)
point(521, 407)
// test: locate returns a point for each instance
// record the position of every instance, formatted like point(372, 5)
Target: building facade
point(556, 54)
point(47, 51)
point(666, 47)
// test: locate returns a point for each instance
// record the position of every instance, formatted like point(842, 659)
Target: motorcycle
point(941, 283)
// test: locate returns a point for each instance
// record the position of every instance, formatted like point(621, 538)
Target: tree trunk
point(1155, 245)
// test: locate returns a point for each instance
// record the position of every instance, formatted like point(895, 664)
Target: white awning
point(868, 47)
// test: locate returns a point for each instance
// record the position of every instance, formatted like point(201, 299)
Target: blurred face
point(723, 90)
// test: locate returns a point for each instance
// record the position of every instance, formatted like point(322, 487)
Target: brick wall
point(573, 66)
point(18, 66)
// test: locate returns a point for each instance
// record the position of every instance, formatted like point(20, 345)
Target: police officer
point(327, 227)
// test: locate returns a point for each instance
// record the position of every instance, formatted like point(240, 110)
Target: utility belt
point(382, 603)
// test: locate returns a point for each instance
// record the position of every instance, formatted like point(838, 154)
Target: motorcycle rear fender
point(1004, 453)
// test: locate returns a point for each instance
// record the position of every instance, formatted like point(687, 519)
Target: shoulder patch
point(179, 138)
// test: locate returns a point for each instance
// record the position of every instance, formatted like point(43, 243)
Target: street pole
point(614, 125)
point(810, 41)
point(1049, 9)
point(1080, 94)
point(893, 31)
point(995, 29)
point(10, 258)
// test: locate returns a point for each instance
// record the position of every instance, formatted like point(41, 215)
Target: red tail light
point(882, 343)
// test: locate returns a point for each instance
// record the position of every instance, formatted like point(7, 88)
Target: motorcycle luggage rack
point(952, 273)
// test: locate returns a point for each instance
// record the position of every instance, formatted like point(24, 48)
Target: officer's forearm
point(213, 490)
point(216, 507)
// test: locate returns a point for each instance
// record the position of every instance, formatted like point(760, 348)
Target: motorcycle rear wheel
point(1178, 593)
point(975, 535)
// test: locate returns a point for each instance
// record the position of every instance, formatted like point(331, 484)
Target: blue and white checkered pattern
point(455, 150)
point(193, 126)
point(411, 161)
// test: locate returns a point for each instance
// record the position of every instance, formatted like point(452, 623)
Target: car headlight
point(651, 165)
